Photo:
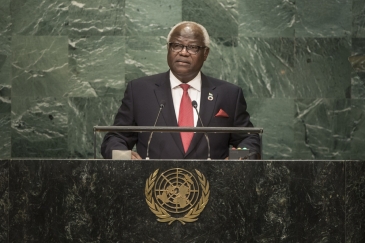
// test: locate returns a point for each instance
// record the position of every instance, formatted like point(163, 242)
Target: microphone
point(195, 105)
point(162, 105)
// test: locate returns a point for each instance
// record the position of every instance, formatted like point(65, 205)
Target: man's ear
point(206, 52)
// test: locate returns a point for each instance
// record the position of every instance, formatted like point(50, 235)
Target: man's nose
point(184, 51)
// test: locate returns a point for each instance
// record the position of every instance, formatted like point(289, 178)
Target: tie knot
point(185, 87)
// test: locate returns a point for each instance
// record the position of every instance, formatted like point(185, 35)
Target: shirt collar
point(195, 83)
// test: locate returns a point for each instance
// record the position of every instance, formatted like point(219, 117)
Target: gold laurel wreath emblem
point(163, 215)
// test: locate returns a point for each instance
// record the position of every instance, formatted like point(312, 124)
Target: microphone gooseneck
point(195, 105)
point(162, 105)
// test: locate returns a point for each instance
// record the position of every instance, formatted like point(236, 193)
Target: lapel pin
point(210, 96)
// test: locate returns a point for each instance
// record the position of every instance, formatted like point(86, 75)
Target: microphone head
point(195, 105)
point(162, 104)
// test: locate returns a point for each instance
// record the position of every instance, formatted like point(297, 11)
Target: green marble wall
point(64, 66)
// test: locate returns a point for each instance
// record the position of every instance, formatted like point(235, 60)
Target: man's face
point(186, 66)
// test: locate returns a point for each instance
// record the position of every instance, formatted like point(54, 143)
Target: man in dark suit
point(220, 104)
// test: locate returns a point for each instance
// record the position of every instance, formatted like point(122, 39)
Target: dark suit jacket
point(140, 106)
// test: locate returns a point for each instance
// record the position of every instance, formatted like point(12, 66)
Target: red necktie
point(186, 117)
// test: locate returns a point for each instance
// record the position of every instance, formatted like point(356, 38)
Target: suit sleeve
point(124, 117)
point(242, 119)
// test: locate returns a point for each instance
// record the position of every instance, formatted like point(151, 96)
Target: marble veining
point(358, 128)
point(358, 21)
point(39, 66)
point(4, 201)
point(5, 127)
point(223, 13)
point(222, 63)
point(30, 137)
point(152, 18)
point(86, 113)
point(323, 18)
point(85, 52)
point(250, 201)
point(97, 66)
point(39, 18)
point(264, 72)
point(5, 62)
point(98, 18)
point(321, 68)
point(357, 60)
point(262, 18)
point(145, 56)
point(355, 199)
point(275, 115)
point(315, 139)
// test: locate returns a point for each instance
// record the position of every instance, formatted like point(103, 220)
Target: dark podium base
point(250, 201)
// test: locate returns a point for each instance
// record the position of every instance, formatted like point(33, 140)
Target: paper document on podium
point(121, 154)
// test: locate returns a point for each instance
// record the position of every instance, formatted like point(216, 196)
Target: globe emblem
point(176, 190)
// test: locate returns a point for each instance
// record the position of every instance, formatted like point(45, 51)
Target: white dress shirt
point(194, 93)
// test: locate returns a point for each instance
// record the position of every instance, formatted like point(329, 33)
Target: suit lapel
point(163, 93)
point(208, 100)
point(206, 109)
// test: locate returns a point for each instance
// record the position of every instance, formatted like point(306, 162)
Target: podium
point(249, 201)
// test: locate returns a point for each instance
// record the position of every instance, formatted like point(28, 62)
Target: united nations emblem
point(177, 192)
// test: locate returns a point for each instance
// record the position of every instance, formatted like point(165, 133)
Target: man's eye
point(193, 48)
point(175, 45)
